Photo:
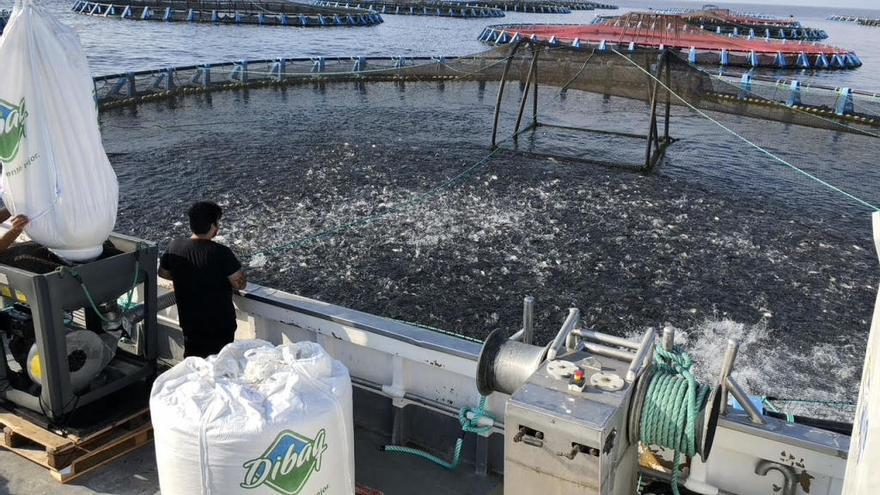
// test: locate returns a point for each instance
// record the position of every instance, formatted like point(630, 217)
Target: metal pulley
point(506, 364)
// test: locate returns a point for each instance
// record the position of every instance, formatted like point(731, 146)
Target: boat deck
point(135, 474)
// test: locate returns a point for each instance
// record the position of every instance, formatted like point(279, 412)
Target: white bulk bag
point(255, 419)
point(55, 169)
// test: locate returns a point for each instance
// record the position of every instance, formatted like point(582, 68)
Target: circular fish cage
point(862, 21)
point(263, 13)
point(525, 6)
point(384, 195)
point(729, 22)
point(723, 21)
point(435, 9)
point(702, 47)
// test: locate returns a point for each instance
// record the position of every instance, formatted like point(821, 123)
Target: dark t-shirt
point(200, 270)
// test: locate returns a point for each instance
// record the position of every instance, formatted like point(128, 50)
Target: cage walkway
point(221, 12)
point(665, 32)
point(438, 9)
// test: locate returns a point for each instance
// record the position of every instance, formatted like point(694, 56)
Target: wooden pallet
point(68, 456)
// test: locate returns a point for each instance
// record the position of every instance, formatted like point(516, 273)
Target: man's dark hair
point(202, 215)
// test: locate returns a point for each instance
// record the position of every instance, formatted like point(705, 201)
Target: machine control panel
point(566, 429)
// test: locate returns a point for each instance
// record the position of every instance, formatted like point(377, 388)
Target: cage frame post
point(655, 148)
point(501, 86)
point(531, 79)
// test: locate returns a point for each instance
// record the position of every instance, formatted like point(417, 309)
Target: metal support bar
point(644, 349)
point(743, 398)
point(574, 315)
point(726, 369)
point(668, 338)
point(528, 329)
point(604, 350)
point(606, 339)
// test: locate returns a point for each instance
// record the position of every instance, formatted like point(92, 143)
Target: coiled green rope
point(471, 425)
point(673, 402)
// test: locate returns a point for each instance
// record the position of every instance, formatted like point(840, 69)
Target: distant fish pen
point(862, 21)
point(576, 5)
point(610, 73)
point(648, 30)
point(223, 12)
point(727, 22)
point(526, 6)
point(436, 9)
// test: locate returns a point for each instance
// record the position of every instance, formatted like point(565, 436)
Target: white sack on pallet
point(255, 419)
point(55, 169)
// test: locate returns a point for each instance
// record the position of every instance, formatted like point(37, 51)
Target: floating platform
point(728, 22)
point(578, 5)
point(219, 12)
point(527, 6)
point(652, 31)
point(723, 21)
point(436, 9)
point(862, 21)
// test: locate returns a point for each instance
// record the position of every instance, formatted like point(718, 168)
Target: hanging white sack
point(255, 419)
point(55, 169)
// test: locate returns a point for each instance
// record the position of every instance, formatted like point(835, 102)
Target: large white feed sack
point(255, 419)
point(55, 169)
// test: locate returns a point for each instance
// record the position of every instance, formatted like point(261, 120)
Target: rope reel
point(672, 410)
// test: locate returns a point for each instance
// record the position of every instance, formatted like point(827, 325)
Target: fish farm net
point(372, 184)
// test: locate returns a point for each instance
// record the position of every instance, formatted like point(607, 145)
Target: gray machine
point(572, 421)
point(38, 307)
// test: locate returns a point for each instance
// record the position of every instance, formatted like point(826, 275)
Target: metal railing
point(133, 87)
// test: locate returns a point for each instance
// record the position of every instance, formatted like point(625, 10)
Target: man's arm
point(238, 280)
point(18, 225)
point(165, 266)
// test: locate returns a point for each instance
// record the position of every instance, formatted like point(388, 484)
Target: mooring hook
point(788, 474)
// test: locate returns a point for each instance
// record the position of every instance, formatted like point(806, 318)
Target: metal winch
point(574, 418)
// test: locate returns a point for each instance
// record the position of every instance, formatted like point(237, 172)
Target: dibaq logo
point(287, 464)
point(12, 130)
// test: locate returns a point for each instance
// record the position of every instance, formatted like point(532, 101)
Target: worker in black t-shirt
point(204, 274)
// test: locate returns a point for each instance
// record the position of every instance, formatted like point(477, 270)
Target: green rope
point(789, 417)
point(771, 403)
point(468, 425)
point(830, 403)
point(673, 401)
